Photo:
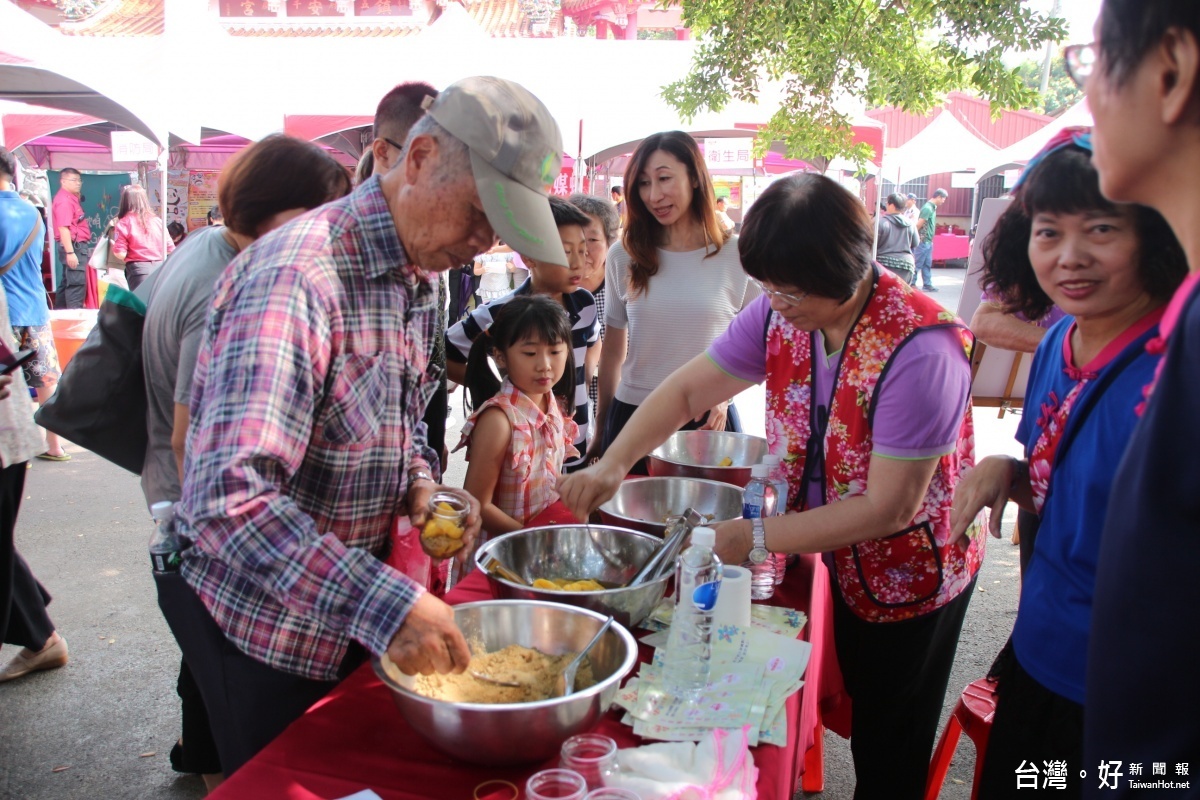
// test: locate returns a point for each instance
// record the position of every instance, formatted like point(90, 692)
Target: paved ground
point(108, 719)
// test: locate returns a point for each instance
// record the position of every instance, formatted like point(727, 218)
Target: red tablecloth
point(947, 246)
point(355, 738)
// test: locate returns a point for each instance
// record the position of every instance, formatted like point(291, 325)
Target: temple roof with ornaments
point(364, 18)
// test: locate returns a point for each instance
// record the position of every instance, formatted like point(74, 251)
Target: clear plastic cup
point(612, 793)
point(591, 755)
point(556, 784)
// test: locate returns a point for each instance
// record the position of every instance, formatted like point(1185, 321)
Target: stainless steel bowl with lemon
point(607, 556)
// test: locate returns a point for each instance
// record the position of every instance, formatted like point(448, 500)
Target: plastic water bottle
point(776, 476)
point(759, 499)
point(166, 543)
point(779, 478)
point(688, 656)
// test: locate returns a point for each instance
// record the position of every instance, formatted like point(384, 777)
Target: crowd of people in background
point(298, 354)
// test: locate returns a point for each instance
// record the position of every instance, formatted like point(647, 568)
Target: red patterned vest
point(912, 571)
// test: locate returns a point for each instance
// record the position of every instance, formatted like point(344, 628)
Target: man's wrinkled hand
point(429, 641)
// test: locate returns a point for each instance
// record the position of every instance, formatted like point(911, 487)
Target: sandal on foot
point(48, 457)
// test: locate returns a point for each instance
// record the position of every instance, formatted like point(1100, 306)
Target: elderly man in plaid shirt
point(306, 441)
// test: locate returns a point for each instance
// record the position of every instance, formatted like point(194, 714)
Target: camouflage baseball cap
point(516, 153)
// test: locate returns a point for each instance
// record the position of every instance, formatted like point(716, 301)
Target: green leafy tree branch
point(1062, 92)
point(904, 53)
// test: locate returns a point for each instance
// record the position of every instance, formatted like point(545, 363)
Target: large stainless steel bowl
point(609, 555)
point(698, 454)
point(519, 733)
point(646, 503)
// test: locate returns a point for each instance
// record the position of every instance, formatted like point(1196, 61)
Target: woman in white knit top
point(674, 282)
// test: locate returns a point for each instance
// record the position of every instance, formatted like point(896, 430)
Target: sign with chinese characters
point(1055, 774)
point(729, 153)
point(202, 195)
point(132, 147)
point(564, 184)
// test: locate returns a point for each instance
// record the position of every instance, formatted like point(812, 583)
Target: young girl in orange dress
point(522, 428)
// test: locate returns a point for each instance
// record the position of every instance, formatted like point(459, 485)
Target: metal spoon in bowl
point(566, 680)
point(494, 680)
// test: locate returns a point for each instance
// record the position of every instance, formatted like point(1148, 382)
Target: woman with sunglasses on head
point(849, 353)
point(1142, 77)
point(674, 283)
point(1111, 268)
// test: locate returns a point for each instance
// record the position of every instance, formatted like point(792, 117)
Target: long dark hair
point(1066, 182)
point(135, 201)
point(643, 233)
point(523, 317)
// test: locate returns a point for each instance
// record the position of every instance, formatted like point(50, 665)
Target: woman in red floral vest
point(868, 403)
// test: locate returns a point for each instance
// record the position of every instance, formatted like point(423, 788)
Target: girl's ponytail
point(513, 321)
point(482, 383)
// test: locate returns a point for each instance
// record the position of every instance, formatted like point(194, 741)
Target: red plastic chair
point(972, 716)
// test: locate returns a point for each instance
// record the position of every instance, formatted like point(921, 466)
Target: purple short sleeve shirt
point(910, 421)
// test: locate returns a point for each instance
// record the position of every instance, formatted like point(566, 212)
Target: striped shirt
point(594, 379)
point(581, 308)
point(528, 481)
point(309, 390)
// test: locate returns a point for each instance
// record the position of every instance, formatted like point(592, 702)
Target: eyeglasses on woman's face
point(790, 299)
point(1081, 61)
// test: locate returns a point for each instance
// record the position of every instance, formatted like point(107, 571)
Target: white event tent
point(944, 145)
point(1020, 152)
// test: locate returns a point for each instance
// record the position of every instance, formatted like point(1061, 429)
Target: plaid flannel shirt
point(306, 418)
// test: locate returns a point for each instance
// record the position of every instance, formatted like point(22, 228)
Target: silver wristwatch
point(759, 553)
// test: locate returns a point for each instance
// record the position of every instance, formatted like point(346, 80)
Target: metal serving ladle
point(662, 560)
point(566, 679)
